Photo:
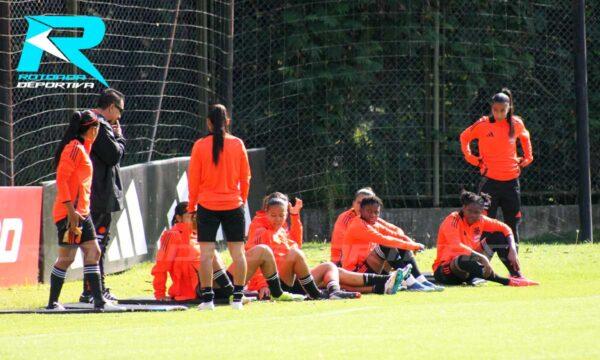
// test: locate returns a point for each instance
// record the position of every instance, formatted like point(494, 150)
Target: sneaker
point(343, 295)
point(521, 281)
point(286, 296)
point(432, 285)
point(108, 296)
point(393, 284)
point(237, 305)
point(476, 282)
point(109, 306)
point(206, 306)
point(86, 298)
point(56, 306)
point(417, 286)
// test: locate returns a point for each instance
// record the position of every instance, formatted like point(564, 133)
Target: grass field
point(559, 319)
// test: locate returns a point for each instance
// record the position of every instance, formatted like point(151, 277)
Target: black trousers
point(507, 196)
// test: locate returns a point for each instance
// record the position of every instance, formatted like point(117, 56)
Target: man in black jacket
point(107, 190)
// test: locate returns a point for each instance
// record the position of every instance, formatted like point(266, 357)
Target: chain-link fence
point(346, 94)
point(343, 94)
point(168, 57)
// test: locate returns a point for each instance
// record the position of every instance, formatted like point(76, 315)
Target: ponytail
point(78, 125)
point(511, 112)
point(217, 115)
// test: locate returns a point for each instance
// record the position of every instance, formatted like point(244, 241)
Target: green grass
point(559, 319)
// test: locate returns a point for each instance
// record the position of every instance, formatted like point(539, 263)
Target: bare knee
point(295, 254)
point(91, 255)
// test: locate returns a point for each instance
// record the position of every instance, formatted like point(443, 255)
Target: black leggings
point(398, 258)
point(507, 196)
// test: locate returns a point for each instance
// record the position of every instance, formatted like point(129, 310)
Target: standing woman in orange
point(71, 210)
point(498, 162)
point(219, 181)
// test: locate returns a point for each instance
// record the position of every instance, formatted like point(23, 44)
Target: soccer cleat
point(237, 305)
point(108, 295)
point(56, 306)
point(521, 281)
point(343, 295)
point(86, 298)
point(393, 284)
point(476, 282)
point(417, 286)
point(210, 305)
point(286, 296)
point(109, 306)
point(432, 285)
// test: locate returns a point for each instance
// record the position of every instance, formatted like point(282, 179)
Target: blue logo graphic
point(66, 48)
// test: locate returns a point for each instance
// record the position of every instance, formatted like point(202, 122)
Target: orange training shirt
point(280, 241)
point(361, 237)
point(221, 187)
point(456, 237)
point(179, 257)
point(73, 179)
point(497, 151)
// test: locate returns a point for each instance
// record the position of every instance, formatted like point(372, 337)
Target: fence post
point(436, 109)
point(202, 23)
point(583, 135)
point(229, 61)
point(73, 9)
point(6, 106)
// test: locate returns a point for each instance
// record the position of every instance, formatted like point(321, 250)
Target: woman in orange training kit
point(268, 228)
point(179, 257)
point(498, 163)
point(219, 181)
point(466, 242)
point(72, 210)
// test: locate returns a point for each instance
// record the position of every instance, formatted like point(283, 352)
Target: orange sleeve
point(296, 229)
point(526, 145)
point(337, 239)
point(244, 174)
point(66, 167)
point(394, 230)
point(493, 225)
point(367, 232)
point(466, 137)
point(165, 258)
point(193, 173)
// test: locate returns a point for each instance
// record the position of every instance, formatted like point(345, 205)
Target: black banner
point(151, 193)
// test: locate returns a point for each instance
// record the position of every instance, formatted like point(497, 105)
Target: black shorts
point(233, 222)
point(444, 275)
point(88, 233)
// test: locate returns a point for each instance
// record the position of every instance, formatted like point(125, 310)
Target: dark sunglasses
point(119, 108)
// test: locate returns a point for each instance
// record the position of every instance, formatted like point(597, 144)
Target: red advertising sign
point(20, 221)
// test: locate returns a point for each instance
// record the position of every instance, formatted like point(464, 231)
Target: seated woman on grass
point(370, 242)
point(269, 228)
point(466, 242)
point(179, 258)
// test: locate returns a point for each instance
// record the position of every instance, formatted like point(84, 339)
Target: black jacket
point(106, 155)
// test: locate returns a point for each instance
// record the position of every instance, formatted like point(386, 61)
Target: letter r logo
point(67, 48)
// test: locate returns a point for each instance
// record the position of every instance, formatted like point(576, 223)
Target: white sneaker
point(110, 306)
point(56, 306)
point(237, 305)
point(389, 284)
point(206, 306)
